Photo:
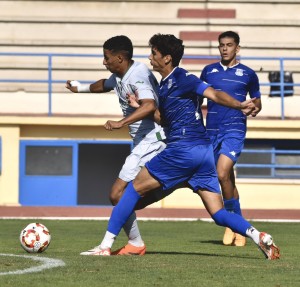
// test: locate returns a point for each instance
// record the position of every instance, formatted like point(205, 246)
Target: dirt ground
point(155, 213)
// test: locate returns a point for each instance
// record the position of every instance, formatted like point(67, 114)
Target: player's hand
point(133, 100)
point(71, 85)
point(247, 107)
point(111, 125)
point(255, 111)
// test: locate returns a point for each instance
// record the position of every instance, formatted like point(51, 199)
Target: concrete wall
point(9, 178)
point(22, 103)
point(255, 193)
point(267, 28)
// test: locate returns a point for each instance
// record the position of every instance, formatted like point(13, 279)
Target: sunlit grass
point(178, 254)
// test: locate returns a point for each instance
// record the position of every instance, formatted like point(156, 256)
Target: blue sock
point(229, 204)
point(237, 206)
point(123, 209)
point(233, 205)
point(234, 221)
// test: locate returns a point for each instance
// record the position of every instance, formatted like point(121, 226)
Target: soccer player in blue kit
point(225, 126)
point(188, 157)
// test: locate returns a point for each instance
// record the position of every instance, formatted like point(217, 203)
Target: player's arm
point(146, 108)
point(157, 117)
point(96, 87)
point(134, 102)
point(257, 108)
point(224, 99)
point(254, 92)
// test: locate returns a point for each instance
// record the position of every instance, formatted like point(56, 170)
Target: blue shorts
point(192, 164)
point(229, 144)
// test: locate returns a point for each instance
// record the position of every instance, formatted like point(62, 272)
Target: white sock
point(132, 231)
point(253, 233)
point(108, 240)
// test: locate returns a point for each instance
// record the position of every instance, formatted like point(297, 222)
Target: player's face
point(157, 60)
point(228, 50)
point(111, 61)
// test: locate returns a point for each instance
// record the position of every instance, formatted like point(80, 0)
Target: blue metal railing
point(274, 164)
point(50, 81)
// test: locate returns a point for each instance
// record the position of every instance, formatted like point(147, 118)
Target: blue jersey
point(237, 81)
point(180, 100)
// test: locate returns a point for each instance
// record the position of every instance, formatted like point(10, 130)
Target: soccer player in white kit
point(129, 77)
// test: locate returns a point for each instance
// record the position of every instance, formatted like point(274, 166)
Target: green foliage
point(178, 254)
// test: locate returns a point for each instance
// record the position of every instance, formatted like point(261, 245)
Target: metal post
point(282, 87)
point(49, 85)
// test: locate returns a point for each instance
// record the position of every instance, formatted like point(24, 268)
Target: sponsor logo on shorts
point(233, 153)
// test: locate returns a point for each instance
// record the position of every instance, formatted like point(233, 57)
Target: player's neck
point(229, 63)
point(166, 72)
point(127, 67)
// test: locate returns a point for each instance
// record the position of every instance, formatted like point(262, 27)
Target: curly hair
point(168, 45)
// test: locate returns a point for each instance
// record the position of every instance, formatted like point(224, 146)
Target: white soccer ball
point(35, 238)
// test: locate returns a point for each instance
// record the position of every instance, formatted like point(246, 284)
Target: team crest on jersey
point(170, 83)
point(239, 72)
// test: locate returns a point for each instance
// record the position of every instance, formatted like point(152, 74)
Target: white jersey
point(138, 80)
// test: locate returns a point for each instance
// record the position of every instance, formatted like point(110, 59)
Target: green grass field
point(178, 254)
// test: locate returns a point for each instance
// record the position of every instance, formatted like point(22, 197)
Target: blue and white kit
point(188, 156)
point(226, 126)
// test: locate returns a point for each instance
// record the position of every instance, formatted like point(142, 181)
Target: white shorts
point(140, 154)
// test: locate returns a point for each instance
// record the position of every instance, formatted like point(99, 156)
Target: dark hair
point(168, 45)
point(230, 34)
point(119, 44)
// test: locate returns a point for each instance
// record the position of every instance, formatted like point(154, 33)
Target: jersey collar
point(169, 74)
point(225, 67)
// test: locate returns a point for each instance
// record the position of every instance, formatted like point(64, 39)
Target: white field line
point(143, 219)
point(47, 263)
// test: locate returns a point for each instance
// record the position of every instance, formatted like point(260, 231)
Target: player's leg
point(168, 168)
point(213, 203)
point(230, 147)
point(150, 198)
point(227, 181)
point(224, 166)
point(124, 208)
point(205, 182)
point(239, 240)
point(135, 243)
point(117, 190)
point(142, 184)
point(141, 153)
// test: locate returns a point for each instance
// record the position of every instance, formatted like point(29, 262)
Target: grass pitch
point(178, 254)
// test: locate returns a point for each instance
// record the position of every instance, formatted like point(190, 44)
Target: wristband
point(83, 89)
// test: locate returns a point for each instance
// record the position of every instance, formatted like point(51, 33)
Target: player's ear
point(120, 58)
point(238, 48)
point(168, 59)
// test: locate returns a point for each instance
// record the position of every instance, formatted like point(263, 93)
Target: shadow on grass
point(200, 254)
point(215, 242)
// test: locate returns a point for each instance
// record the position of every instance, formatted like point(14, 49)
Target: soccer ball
point(35, 238)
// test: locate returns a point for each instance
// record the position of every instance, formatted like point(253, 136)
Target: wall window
point(48, 160)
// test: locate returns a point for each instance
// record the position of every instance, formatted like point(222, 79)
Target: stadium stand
point(58, 31)
point(267, 28)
